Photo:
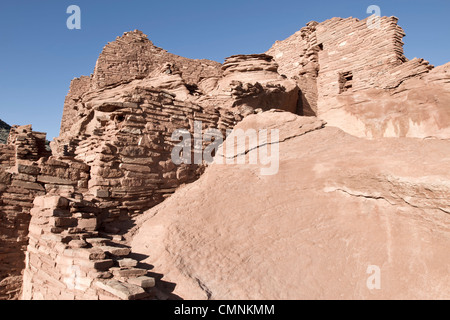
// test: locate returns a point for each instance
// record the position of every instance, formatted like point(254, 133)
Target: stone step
point(122, 290)
point(98, 242)
point(128, 272)
point(93, 254)
point(116, 251)
point(127, 263)
point(100, 265)
point(143, 282)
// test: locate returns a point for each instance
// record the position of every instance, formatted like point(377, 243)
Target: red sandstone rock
point(313, 230)
point(62, 215)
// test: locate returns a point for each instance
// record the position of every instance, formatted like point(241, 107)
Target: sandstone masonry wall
point(353, 74)
point(298, 59)
point(372, 58)
point(23, 178)
point(63, 214)
point(78, 86)
point(67, 258)
point(132, 57)
point(115, 152)
point(7, 156)
point(18, 188)
point(127, 143)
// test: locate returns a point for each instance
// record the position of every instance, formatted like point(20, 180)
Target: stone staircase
point(67, 258)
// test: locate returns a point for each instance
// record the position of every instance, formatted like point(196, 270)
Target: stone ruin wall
point(353, 48)
point(67, 258)
point(18, 187)
point(358, 79)
point(78, 86)
point(120, 164)
point(131, 57)
point(328, 51)
point(128, 146)
point(63, 214)
point(26, 171)
point(119, 170)
point(297, 58)
point(124, 131)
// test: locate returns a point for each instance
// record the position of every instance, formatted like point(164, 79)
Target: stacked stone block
point(22, 179)
point(68, 258)
point(30, 145)
point(7, 156)
point(128, 146)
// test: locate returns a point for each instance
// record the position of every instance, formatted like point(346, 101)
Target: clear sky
point(39, 55)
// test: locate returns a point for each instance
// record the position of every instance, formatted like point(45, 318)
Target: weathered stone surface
point(91, 254)
point(89, 224)
point(102, 193)
point(27, 185)
point(54, 180)
point(103, 265)
point(63, 222)
point(313, 230)
point(31, 170)
point(113, 161)
point(98, 241)
point(358, 79)
point(55, 202)
point(78, 244)
point(143, 282)
point(127, 263)
point(116, 251)
point(129, 272)
point(124, 291)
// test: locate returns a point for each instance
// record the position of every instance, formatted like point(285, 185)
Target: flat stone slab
point(91, 254)
point(116, 251)
point(129, 272)
point(103, 265)
point(127, 263)
point(143, 282)
point(97, 242)
point(124, 291)
point(100, 265)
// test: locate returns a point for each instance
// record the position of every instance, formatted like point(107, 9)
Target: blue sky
point(39, 56)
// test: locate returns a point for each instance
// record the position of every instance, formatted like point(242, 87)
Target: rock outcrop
point(254, 83)
point(4, 131)
point(313, 230)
